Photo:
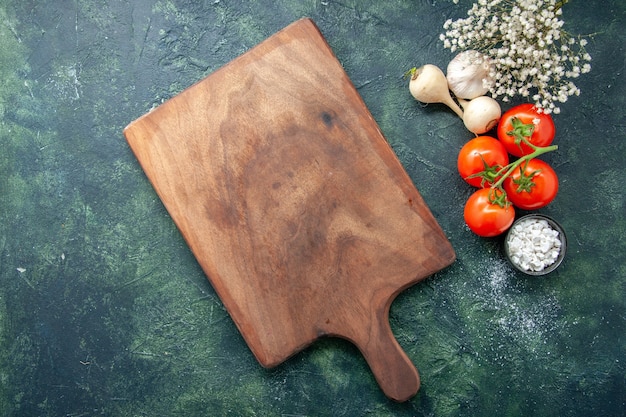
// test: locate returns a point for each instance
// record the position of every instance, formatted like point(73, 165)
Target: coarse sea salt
point(533, 244)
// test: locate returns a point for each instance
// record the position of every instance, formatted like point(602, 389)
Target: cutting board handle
point(395, 373)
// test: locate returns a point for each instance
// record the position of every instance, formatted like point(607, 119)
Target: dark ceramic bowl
point(554, 225)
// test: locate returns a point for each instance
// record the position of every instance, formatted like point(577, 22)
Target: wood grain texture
point(293, 202)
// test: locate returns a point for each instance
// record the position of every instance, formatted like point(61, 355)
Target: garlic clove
point(428, 84)
point(469, 74)
point(481, 114)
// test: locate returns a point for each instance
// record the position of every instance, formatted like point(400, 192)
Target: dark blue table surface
point(104, 311)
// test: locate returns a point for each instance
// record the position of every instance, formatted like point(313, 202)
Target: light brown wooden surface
point(293, 202)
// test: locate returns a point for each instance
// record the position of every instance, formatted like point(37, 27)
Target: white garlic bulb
point(481, 114)
point(428, 84)
point(469, 74)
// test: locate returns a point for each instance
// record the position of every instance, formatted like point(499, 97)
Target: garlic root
point(428, 84)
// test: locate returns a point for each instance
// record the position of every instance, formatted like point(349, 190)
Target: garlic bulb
point(469, 74)
point(428, 84)
point(481, 114)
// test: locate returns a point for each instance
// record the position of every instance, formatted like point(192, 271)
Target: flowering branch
point(532, 55)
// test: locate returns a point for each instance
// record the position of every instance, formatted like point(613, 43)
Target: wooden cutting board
point(293, 202)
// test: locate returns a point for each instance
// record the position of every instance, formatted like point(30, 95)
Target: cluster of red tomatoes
point(527, 183)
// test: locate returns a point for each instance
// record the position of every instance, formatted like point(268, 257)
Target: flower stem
point(560, 4)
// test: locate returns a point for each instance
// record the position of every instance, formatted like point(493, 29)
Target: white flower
point(529, 48)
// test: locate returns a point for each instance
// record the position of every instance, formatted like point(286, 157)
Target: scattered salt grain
point(533, 244)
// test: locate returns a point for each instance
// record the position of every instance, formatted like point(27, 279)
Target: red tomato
point(482, 154)
point(487, 217)
point(533, 185)
point(524, 121)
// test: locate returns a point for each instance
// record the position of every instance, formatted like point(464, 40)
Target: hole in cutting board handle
point(395, 373)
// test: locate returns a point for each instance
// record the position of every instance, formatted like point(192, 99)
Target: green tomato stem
point(510, 168)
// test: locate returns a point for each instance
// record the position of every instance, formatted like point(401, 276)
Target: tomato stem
point(525, 181)
point(510, 168)
point(521, 131)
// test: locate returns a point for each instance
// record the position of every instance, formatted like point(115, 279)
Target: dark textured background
point(103, 310)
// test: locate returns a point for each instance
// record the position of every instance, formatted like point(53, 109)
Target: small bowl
point(554, 225)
